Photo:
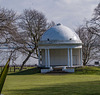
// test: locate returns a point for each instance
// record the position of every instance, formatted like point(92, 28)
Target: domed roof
point(60, 33)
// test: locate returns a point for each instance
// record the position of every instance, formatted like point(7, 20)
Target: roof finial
point(58, 24)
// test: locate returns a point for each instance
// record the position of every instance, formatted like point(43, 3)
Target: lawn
point(85, 81)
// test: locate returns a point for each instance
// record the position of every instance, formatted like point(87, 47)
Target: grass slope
point(85, 81)
point(88, 70)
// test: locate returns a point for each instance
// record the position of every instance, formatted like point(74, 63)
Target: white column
point(39, 57)
point(71, 58)
point(81, 57)
point(68, 57)
point(48, 58)
point(45, 57)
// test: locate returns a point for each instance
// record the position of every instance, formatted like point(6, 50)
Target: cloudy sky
point(71, 13)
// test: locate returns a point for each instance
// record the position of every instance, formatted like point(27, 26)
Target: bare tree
point(90, 43)
point(96, 17)
point(50, 24)
point(90, 36)
point(8, 30)
point(8, 26)
point(94, 23)
point(32, 24)
point(23, 32)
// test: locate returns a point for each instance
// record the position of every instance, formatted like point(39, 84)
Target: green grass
point(88, 70)
point(85, 81)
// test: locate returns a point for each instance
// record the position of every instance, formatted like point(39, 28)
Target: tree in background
point(90, 43)
point(8, 28)
point(32, 24)
point(95, 21)
point(8, 31)
point(89, 33)
point(23, 32)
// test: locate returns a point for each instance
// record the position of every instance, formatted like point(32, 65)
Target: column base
point(70, 70)
point(43, 71)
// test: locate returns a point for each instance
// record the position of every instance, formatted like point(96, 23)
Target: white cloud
point(68, 12)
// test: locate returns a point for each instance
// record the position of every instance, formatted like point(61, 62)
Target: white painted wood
point(76, 56)
point(71, 58)
point(68, 57)
point(48, 58)
point(81, 57)
point(43, 57)
point(60, 47)
point(52, 46)
point(75, 60)
point(58, 57)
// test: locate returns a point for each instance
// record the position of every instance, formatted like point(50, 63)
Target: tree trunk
point(25, 60)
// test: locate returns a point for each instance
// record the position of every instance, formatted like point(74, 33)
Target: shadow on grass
point(77, 88)
point(88, 70)
point(78, 71)
point(27, 72)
